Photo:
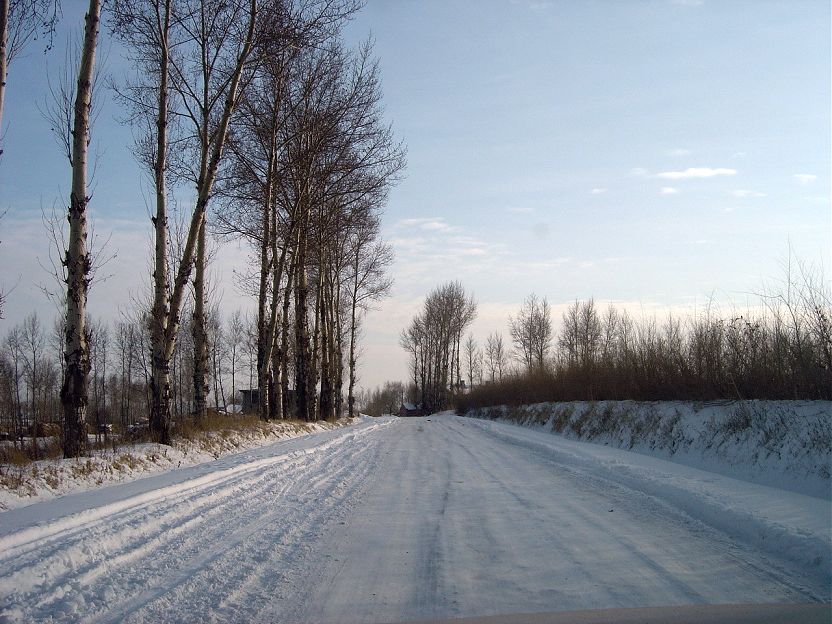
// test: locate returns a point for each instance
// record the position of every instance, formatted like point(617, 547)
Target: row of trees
point(31, 360)
point(259, 110)
point(780, 350)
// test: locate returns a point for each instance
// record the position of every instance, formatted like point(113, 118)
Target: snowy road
point(386, 521)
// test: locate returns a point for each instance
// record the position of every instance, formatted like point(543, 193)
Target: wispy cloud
point(696, 172)
point(679, 151)
point(521, 209)
point(741, 193)
point(598, 191)
point(805, 178)
point(669, 190)
point(638, 171)
point(428, 224)
point(534, 5)
point(430, 247)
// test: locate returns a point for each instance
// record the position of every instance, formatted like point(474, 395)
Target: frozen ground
point(397, 519)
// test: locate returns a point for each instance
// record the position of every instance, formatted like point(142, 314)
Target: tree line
point(31, 361)
point(780, 349)
point(274, 126)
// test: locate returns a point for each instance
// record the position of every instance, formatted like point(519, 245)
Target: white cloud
point(740, 193)
point(669, 190)
point(638, 171)
point(679, 151)
point(805, 178)
point(428, 224)
point(521, 209)
point(598, 191)
point(534, 5)
point(440, 226)
point(696, 172)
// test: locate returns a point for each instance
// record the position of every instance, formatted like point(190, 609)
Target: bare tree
point(472, 359)
point(32, 342)
point(581, 336)
point(77, 262)
point(495, 356)
point(369, 282)
point(531, 332)
point(198, 51)
point(433, 341)
point(20, 22)
point(13, 344)
point(234, 340)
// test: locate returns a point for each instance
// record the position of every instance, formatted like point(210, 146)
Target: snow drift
point(785, 444)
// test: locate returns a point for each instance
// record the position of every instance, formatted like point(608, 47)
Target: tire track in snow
point(251, 516)
point(67, 564)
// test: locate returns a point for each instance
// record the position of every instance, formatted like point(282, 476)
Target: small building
point(251, 400)
point(410, 409)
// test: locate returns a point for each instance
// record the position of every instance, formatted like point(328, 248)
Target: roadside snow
point(46, 479)
point(785, 444)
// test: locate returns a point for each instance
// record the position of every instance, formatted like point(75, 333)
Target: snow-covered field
point(48, 478)
point(397, 519)
point(783, 443)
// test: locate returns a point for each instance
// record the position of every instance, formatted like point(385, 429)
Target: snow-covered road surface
point(390, 520)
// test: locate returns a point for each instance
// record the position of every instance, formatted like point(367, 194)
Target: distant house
point(409, 409)
point(251, 400)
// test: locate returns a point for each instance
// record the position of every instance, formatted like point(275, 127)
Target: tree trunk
point(353, 329)
point(326, 403)
point(160, 392)
point(160, 423)
point(301, 325)
point(262, 320)
point(199, 333)
point(284, 345)
point(338, 356)
point(76, 351)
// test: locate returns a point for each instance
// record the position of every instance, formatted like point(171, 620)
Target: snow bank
point(785, 444)
point(783, 523)
point(46, 479)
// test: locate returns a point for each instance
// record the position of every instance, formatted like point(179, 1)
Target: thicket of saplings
point(780, 350)
point(31, 354)
point(383, 400)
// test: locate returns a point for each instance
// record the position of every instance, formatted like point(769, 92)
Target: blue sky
point(653, 153)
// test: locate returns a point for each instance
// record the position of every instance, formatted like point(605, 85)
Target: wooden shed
point(409, 409)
